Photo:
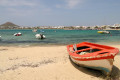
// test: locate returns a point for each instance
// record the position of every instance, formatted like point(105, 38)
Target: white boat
point(40, 36)
point(18, 34)
point(41, 31)
point(35, 30)
point(103, 32)
point(0, 37)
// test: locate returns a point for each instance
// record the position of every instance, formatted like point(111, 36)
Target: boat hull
point(104, 65)
point(39, 36)
point(93, 55)
point(103, 32)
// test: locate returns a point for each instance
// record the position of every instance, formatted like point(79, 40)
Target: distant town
point(10, 25)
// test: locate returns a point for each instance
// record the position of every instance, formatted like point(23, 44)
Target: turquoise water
point(58, 37)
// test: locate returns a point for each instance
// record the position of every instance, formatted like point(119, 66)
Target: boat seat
point(82, 50)
point(88, 49)
point(101, 52)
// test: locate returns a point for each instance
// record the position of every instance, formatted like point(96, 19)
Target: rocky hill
point(8, 25)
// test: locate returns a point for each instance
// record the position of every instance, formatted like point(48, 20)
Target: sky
point(60, 12)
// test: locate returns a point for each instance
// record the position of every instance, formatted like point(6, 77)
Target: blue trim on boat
point(100, 68)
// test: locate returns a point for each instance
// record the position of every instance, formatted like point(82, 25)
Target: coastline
point(47, 45)
point(46, 63)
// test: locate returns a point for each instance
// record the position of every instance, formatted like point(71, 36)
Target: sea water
point(58, 37)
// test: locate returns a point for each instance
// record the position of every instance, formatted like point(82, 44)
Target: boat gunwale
point(95, 55)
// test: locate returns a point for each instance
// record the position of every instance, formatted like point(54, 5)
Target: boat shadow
point(118, 53)
point(115, 74)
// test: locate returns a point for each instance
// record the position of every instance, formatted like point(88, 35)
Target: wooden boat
point(103, 32)
point(93, 56)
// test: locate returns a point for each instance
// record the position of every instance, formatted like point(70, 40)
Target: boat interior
point(81, 50)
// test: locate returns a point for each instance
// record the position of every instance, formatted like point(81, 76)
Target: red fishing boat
point(93, 55)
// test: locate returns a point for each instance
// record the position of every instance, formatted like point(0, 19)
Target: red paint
point(104, 53)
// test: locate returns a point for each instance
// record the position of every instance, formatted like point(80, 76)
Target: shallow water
point(58, 37)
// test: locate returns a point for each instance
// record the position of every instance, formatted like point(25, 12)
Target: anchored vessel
point(103, 32)
point(93, 56)
point(18, 34)
point(40, 36)
point(34, 30)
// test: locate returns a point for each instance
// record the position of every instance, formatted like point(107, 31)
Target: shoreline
point(43, 44)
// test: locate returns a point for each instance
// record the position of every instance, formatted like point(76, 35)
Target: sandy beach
point(47, 63)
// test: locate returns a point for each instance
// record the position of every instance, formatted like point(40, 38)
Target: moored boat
point(18, 34)
point(103, 32)
point(34, 30)
point(40, 36)
point(93, 56)
point(0, 37)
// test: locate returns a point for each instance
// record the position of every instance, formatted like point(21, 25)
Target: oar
point(75, 47)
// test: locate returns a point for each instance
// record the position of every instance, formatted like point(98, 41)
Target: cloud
point(19, 12)
point(33, 7)
point(24, 7)
point(18, 7)
point(72, 3)
point(14, 3)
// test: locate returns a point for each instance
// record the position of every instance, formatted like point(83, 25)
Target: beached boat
point(40, 36)
point(103, 32)
point(93, 56)
point(18, 34)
